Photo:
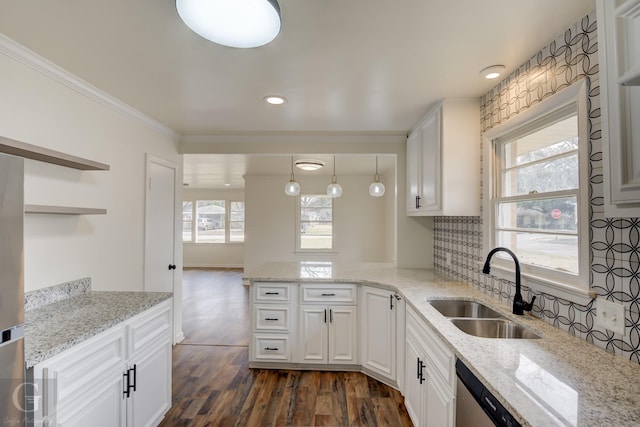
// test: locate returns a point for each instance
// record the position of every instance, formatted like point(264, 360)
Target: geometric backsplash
point(614, 242)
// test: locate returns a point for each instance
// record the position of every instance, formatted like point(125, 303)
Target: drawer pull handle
point(328, 295)
point(271, 349)
point(272, 293)
point(275, 319)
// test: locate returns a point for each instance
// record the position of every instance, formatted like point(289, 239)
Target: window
point(315, 223)
point(537, 194)
point(536, 203)
point(213, 223)
point(236, 222)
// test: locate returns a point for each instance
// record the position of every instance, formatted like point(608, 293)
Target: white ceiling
point(351, 66)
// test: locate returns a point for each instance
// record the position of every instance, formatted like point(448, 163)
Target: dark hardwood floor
point(213, 385)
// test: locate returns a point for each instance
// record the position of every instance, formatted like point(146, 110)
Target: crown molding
point(22, 54)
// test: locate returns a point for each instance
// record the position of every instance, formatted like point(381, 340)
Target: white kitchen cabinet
point(443, 161)
point(328, 331)
point(429, 387)
point(120, 377)
point(619, 56)
point(272, 328)
point(378, 309)
point(328, 334)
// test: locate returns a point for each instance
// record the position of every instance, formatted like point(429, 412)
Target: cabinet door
point(343, 338)
point(440, 401)
point(151, 398)
point(313, 341)
point(412, 385)
point(149, 364)
point(430, 156)
point(84, 382)
point(618, 30)
point(101, 406)
point(413, 177)
point(378, 331)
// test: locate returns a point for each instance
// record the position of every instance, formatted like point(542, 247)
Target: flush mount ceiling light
point(334, 189)
point(233, 23)
point(492, 72)
point(292, 188)
point(309, 164)
point(376, 189)
point(275, 99)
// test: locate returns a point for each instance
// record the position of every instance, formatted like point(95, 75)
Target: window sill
point(550, 287)
point(314, 251)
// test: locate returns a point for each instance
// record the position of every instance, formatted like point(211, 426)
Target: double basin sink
point(479, 320)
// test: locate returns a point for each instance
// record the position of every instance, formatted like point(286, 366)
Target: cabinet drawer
point(265, 292)
point(347, 294)
point(271, 318)
point(271, 347)
point(149, 328)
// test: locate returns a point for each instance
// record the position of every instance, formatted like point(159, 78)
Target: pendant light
point(233, 23)
point(292, 188)
point(376, 189)
point(334, 189)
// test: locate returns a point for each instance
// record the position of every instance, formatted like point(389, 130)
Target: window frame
point(573, 287)
point(298, 226)
point(227, 221)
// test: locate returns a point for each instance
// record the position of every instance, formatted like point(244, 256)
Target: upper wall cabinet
point(619, 55)
point(443, 161)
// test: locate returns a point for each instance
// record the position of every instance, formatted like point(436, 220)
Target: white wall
point(38, 109)
point(360, 221)
point(212, 254)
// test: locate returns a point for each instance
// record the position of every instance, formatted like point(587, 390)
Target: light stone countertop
point(556, 380)
point(54, 328)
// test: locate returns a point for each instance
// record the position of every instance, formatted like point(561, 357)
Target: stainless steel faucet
point(519, 305)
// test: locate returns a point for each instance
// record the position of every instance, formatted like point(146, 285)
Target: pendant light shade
point(292, 188)
point(334, 189)
point(376, 189)
point(233, 23)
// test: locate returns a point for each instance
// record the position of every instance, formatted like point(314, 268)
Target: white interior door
point(159, 262)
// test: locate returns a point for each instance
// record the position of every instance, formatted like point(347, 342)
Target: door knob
point(172, 266)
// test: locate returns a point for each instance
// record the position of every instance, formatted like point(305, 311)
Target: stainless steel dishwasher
point(475, 405)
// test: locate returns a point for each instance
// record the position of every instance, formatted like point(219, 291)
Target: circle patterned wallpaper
point(614, 242)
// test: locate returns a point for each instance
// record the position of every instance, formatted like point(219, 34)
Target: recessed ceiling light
point(227, 185)
point(492, 72)
point(275, 99)
point(309, 164)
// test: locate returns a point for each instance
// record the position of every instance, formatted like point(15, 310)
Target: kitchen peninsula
point(541, 382)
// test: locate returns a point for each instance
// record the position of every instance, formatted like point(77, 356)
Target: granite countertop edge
point(56, 327)
point(601, 378)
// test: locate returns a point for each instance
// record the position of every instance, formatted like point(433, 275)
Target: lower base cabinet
point(429, 385)
point(120, 377)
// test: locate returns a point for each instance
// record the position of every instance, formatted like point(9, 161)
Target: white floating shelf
point(62, 210)
point(30, 151)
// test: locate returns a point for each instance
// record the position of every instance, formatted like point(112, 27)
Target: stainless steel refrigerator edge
point(12, 368)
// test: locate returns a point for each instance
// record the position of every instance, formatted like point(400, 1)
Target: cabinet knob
point(172, 266)
point(417, 202)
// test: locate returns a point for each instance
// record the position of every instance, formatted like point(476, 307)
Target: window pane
point(554, 251)
point(315, 201)
point(315, 235)
point(315, 214)
point(557, 138)
point(554, 175)
point(541, 214)
point(236, 222)
point(187, 213)
point(210, 221)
